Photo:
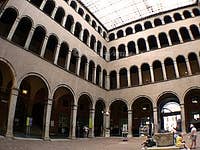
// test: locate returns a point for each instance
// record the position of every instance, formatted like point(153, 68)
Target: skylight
point(114, 13)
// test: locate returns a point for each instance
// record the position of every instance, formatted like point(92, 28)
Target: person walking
point(193, 136)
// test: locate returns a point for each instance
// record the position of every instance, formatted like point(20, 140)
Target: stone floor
point(78, 144)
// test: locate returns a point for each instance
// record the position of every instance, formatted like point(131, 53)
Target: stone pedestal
point(164, 139)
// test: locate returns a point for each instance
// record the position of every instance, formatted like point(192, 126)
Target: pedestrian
point(193, 136)
point(86, 131)
point(180, 142)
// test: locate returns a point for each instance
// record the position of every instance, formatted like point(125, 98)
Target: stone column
point(140, 76)
point(188, 67)
point(64, 21)
point(72, 28)
point(190, 33)
point(46, 118)
point(107, 82)
point(81, 35)
point(43, 4)
point(11, 112)
point(107, 132)
point(130, 123)
point(78, 62)
point(28, 41)
point(169, 40)
point(91, 123)
point(101, 78)
point(107, 56)
point(176, 69)
point(88, 40)
point(118, 80)
point(136, 49)
point(73, 122)
point(94, 74)
point(44, 46)
point(183, 118)
point(152, 75)
point(128, 77)
point(86, 70)
point(54, 12)
point(57, 53)
point(180, 38)
point(68, 59)
point(147, 45)
point(126, 50)
point(155, 120)
point(12, 30)
point(158, 42)
point(164, 72)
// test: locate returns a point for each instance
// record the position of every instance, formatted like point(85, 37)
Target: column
point(88, 40)
point(136, 49)
point(190, 33)
point(11, 112)
point(64, 21)
point(68, 59)
point(191, 13)
point(12, 30)
point(172, 18)
point(158, 42)
point(43, 4)
point(176, 69)
point(57, 54)
point(47, 116)
point(107, 132)
point(101, 51)
point(129, 123)
point(94, 74)
point(169, 40)
point(118, 80)
point(91, 123)
point(164, 72)
point(117, 54)
point(73, 122)
point(44, 46)
point(107, 82)
point(1, 13)
point(126, 50)
point(147, 45)
point(155, 120)
point(72, 28)
point(128, 77)
point(81, 35)
point(140, 76)
point(28, 40)
point(78, 62)
point(183, 118)
point(86, 70)
point(101, 79)
point(188, 67)
point(180, 38)
point(152, 75)
point(54, 12)
point(107, 56)
point(95, 46)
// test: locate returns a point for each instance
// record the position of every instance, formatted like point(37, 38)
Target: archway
point(99, 118)
point(142, 117)
point(83, 114)
point(169, 113)
point(6, 82)
point(60, 124)
point(33, 94)
point(192, 109)
point(118, 117)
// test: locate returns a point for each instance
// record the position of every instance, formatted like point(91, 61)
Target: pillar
point(107, 82)
point(101, 78)
point(176, 69)
point(164, 72)
point(64, 21)
point(94, 74)
point(54, 12)
point(57, 53)
point(126, 50)
point(158, 42)
point(169, 40)
point(136, 49)
point(118, 80)
point(12, 30)
point(68, 59)
point(72, 28)
point(78, 62)
point(128, 78)
point(117, 54)
point(188, 67)
point(47, 117)
point(81, 35)
point(11, 111)
point(180, 38)
point(155, 120)
point(28, 40)
point(140, 76)
point(91, 123)
point(86, 70)
point(44, 46)
point(107, 130)
point(73, 122)
point(183, 118)
point(43, 4)
point(147, 45)
point(130, 123)
point(190, 33)
point(152, 75)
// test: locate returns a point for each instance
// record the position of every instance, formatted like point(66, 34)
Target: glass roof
point(114, 13)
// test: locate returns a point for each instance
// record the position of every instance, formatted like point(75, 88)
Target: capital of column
point(15, 91)
point(130, 111)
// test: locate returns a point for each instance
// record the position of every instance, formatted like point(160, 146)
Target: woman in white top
point(193, 136)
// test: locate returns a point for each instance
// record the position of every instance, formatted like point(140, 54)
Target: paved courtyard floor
point(78, 144)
